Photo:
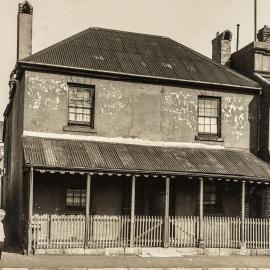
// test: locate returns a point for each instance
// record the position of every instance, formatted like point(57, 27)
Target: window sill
point(209, 138)
point(78, 128)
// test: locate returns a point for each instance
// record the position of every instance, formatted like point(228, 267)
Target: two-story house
point(119, 141)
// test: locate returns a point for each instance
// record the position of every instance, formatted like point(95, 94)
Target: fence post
point(132, 211)
point(243, 243)
point(30, 212)
point(166, 235)
point(201, 236)
point(87, 209)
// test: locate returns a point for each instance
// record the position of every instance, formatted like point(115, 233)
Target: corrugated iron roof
point(137, 54)
point(115, 157)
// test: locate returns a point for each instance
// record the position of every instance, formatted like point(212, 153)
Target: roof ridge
point(57, 44)
point(71, 38)
point(128, 32)
point(214, 62)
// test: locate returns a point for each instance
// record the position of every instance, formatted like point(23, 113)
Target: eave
point(24, 65)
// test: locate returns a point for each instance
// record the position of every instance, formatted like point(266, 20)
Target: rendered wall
point(125, 109)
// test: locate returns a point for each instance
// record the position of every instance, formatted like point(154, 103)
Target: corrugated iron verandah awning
point(94, 156)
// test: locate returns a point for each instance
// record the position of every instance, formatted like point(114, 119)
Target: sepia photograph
point(135, 134)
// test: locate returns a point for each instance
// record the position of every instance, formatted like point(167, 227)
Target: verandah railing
point(108, 231)
point(68, 231)
point(148, 231)
point(184, 231)
point(222, 232)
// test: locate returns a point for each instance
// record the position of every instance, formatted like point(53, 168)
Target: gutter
point(146, 172)
point(261, 78)
point(120, 75)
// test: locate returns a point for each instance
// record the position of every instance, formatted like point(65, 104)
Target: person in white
point(2, 232)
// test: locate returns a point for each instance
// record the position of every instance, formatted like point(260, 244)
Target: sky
point(193, 23)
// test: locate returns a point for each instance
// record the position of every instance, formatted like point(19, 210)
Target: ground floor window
point(211, 197)
point(75, 198)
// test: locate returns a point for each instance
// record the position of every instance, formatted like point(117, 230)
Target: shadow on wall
point(264, 125)
point(253, 124)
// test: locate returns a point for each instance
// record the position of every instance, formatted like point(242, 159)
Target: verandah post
point(243, 244)
point(132, 211)
point(30, 212)
point(166, 235)
point(201, 236)
point(87, 209)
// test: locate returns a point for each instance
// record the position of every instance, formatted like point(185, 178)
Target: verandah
point(105, 231)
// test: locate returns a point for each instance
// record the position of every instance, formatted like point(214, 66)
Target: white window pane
point(208, 112)
point(207, 128)
point(78, 117)
point(86, 94)
point(213, 121)
point(201, 128)
point(72, 117)
point(207, 121)
point(87, 118)
point(208, 104)
point(201, 120)
point(214, 129)
point(201, 111)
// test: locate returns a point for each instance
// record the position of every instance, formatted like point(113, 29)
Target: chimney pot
point(264, 34)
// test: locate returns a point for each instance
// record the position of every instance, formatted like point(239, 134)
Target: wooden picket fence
point(108, 231)
point(184, 231)
point(257, 233)
point(148, 231)
point(69, 231)
point(222, 232)
point(58, 231)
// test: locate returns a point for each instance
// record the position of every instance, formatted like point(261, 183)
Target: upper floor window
point(81, 105)
point(209, 116)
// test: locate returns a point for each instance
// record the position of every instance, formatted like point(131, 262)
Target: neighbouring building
point(118, 141)
point(254, 61)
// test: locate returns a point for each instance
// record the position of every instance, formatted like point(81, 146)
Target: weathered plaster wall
point(154, 112)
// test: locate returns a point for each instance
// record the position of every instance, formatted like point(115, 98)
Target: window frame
point(217, 209)
point(218, 117)
point(90, 88)
point(74, 207)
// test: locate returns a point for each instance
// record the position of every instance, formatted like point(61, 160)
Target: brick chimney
point(264, 34)
point(24, 30)
point(221, 48)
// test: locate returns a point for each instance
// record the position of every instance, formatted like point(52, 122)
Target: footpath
point(14, 260)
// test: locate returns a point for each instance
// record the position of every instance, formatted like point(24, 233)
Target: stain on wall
point(145, 111)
